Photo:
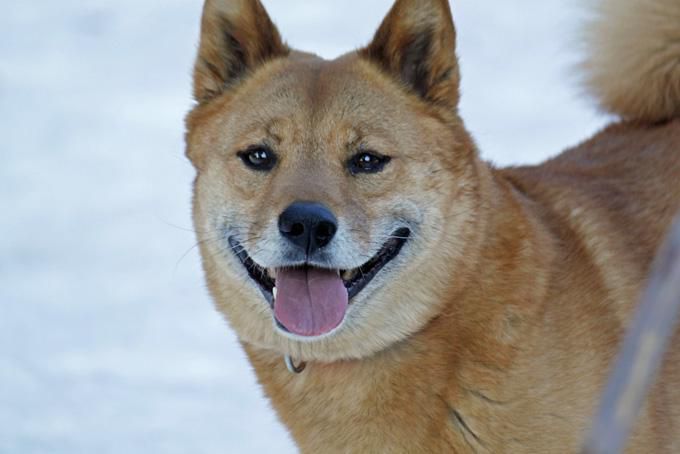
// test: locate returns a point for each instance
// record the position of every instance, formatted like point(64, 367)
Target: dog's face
point(327, 190)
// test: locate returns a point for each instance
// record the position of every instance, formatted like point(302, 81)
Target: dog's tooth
point(274, 292)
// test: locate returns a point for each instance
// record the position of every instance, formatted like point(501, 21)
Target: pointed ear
point(237, 36)
point(416, 44)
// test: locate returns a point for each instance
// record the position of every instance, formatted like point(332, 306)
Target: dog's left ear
point(416, 44)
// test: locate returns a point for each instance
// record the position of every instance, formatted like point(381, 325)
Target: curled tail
point(633, 61)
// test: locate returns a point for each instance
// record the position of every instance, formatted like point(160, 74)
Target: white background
point(108, 341)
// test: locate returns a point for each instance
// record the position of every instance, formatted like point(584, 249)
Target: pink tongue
point(310, 302)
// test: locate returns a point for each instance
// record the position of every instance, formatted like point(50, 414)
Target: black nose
point(309, 226)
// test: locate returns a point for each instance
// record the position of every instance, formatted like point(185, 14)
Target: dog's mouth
point(310, 301)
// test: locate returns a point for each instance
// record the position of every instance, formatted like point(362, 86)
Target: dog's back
point(620, 190)
point(615, 196)
point(609, 202)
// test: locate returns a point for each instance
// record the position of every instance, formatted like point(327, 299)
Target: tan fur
point(633, 57)
point(495, 327)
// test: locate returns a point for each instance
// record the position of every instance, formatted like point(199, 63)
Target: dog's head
point(334, 199)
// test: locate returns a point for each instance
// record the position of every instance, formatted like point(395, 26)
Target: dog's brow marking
point(354, 138)
point(270, 129)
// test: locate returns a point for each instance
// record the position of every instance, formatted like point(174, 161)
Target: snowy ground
point(108, 341)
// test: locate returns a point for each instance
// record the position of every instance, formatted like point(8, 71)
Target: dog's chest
point(344, 408)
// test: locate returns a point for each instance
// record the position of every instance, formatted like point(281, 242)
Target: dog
point(394, 292)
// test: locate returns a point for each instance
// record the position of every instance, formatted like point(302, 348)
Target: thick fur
point(633, 58)
point(494, 329)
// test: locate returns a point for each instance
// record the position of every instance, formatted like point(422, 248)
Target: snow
point(108, 340)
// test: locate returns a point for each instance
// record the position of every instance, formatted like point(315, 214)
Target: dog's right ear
point(416, 44)
point(237, 36)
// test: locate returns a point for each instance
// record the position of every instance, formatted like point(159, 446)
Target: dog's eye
point(259, 158)
point(368, 162)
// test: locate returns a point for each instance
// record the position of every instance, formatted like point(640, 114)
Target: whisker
point(186, 254)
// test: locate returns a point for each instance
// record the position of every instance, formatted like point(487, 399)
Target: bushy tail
point(633, 61)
